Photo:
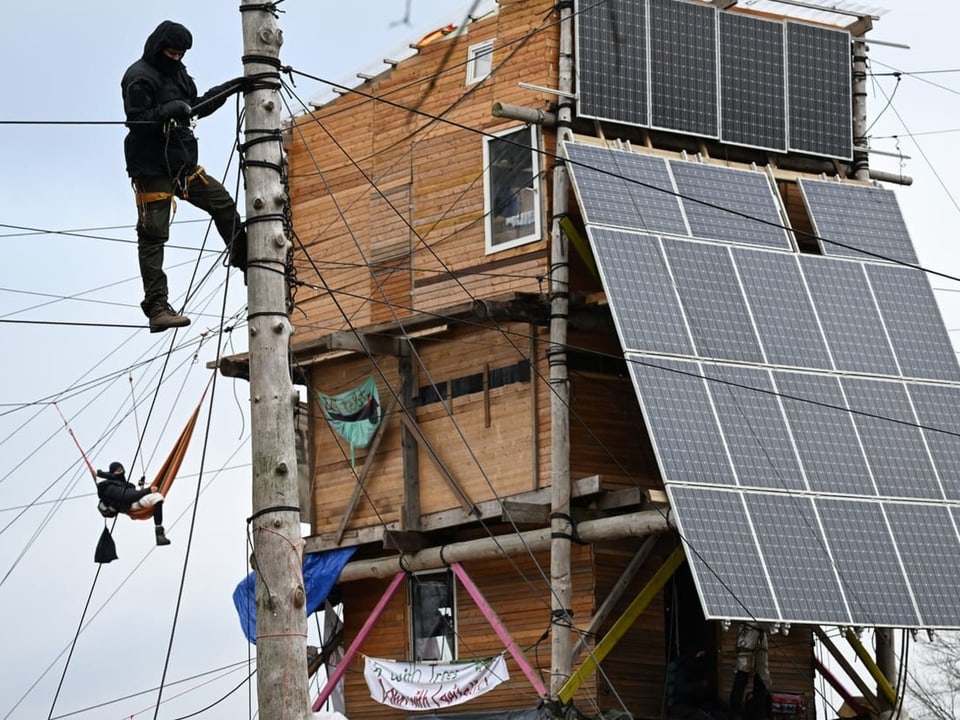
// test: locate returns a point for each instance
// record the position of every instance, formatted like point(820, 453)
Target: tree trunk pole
point(560, 520)
point(282, 689)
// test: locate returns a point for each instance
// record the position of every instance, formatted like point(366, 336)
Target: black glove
point(175, 109)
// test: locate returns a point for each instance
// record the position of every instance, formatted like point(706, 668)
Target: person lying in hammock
point(120, 496)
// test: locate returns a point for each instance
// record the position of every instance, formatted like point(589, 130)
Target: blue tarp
point(320, 572)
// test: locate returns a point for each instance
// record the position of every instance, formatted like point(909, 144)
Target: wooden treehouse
point(590, 304)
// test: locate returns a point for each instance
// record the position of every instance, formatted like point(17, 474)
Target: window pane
point(512, 188)
point(432, 615)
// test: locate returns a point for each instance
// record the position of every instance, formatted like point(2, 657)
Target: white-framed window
point(433, 621)
point(511, 188)
point(479, 61)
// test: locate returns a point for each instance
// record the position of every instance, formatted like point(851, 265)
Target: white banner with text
point(428, 685)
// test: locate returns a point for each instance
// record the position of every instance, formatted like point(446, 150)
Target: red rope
point(75, 442)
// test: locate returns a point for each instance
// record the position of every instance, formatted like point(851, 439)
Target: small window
point(479, 61)
point(433, 616)
point(512, 188)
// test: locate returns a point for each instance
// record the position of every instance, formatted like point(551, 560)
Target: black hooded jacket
point(155, 146)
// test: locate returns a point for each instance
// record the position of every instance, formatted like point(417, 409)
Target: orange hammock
point(168, 471)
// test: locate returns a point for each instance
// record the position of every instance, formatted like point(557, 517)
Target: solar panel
point(612, 61)
point(819, 91)
point(936, 408)
point(788, 326)
point(728, 569)
point(864, 554)
point(716, 312)
point(625, 189)
point(683, 67)
point(736, 206)
point(754, 427)
point(801, 570)
point(850, 319)
point(798, 405)
point(924, 534)
point(891, 440)
point(647, 314)
point(824, 433)
point(912, 319)
point(753, 105)
point(685, 434)
point(848, 218)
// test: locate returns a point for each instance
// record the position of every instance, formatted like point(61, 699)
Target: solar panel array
point(802, 407)
point(687, 67)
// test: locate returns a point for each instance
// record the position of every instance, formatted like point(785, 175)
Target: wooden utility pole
point(561, 523)
point(278, 548)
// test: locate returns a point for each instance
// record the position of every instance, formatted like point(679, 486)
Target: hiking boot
point(161, 538)
point(163, 317)
point(238, 251)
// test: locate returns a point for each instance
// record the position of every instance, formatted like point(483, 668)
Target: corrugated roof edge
point(468, 13)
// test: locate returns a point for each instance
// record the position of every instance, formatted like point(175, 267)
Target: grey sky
point(64, 61)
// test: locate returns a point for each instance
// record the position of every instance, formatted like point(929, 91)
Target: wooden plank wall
point(344, 155)
point(608, 435)
point(487, 460)
point(517, 590)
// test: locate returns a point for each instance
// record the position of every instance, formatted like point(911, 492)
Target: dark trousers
point(153, 224)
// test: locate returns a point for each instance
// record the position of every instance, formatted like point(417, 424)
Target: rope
point(136, 423)
point(93, 472)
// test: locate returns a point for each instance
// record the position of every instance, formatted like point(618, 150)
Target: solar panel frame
point(743, 211)
point(753, 86)
point(825, 434)
point(827, 516)
point(754, 428)
point(712, 301)
point(612, 71)
point(683, 81)
point(647, 315)
point(921, 532)
point(913, 322)
point(864, 553)
point(789, 537)
point(936, 410)
point(711, 522)
point(625, 189)
point(858, 221)
point(856, 336)
point(686, 439)
point(819, 88)
point(896, 452)
point(777, 296)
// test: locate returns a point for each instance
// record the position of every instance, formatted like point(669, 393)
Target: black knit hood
point(167, 34)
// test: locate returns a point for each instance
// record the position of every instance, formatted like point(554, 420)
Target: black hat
point(114, 466)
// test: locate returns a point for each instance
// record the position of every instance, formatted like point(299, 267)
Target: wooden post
point(560, 521)
point(282, 689)
point(861, 159)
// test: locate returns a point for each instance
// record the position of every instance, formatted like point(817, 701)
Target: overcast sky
point(73, 332)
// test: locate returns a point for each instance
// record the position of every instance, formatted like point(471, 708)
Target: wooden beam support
point(847, 666)
point(623, 623)
point(364, 470)
point(526, 513)
point(408, 444)
point(364, 343)
point(616, 592)
point(468, 505)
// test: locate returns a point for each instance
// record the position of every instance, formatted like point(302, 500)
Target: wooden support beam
point(848, 668)
point(363, 343)
point(526, 513)
point(364, 470)
point(468, 505)
point(616, 592)
point(405, 542)
point(408, 444)
point(629, 616)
